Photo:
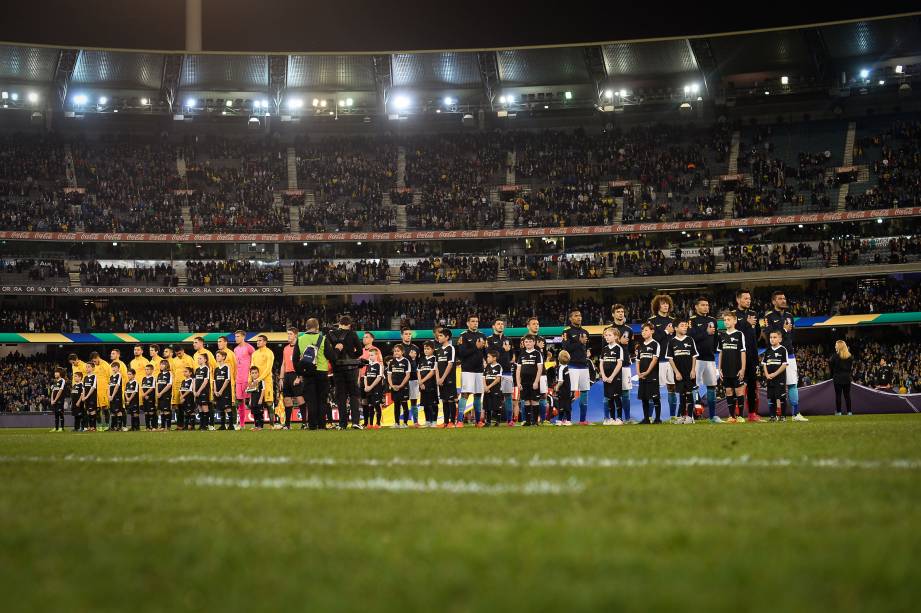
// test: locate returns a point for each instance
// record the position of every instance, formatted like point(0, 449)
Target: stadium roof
point(815, 54)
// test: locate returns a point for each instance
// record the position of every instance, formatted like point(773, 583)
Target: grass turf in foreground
point(800, 517)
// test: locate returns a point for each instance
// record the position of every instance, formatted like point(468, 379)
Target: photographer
point(346, 353)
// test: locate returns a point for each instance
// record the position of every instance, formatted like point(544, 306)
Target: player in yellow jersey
point(139, 363)
point(103, 372)
point(264, 360)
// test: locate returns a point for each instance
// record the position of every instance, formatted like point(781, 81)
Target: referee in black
point(747, 324)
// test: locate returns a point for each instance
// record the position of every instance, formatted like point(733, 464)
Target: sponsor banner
point(729, 178)
point(63, 290)
point(326, 237)
point(183, 192)
point(293, 192)
point(74, 190)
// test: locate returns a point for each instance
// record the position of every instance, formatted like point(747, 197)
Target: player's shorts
point(792, 372)
point(706, 373)
point(685, 386)
point(508, 383)
point(289, 389)
point(732, 383)
point(527, 390)
point(134, 409)
point(149, 407)
point(116, 405)
point(471, 383)
point(89, 405)
point(222, 402)
point(413, 390)
point(649, 390)
point(776, 392)
point(613, 389)
point(579, 380)
point(666, 374)
point(543, 384)
point(241, 390)
point(164, 403)
point(626, 376)
point(398, 395)
point(448, 391)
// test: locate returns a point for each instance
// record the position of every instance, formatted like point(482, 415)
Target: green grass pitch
point(752, 517)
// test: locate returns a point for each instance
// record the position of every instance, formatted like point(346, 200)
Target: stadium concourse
point(621, 325)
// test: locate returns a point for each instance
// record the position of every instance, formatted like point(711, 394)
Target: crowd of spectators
point(902, 359)
point(320, 272)
point(450, 269)
point(33, 270)
point(670, 173)
point(232, 273)
point(25, 383)
point(533, 268)
point(894, 160)
point(94, 273)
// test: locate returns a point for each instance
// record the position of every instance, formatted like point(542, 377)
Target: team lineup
point(501, 381)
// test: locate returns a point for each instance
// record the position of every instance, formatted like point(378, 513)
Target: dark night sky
point(284, 25)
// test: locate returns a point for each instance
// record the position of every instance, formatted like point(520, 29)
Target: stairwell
point(510, 172)
point(287, 272)
point(401, 167)
point(729, 198)
point(73, 272)
point(618, 210)
point(846, 160)
point(181, 167)
point(402, 222)
point(182, 276)
point(71, 169)
point(294, 218)
point(292, 168)
point(510, 216)
point(187, 226)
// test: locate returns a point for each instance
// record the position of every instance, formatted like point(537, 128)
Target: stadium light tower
point(401, 103)
point(80, 100)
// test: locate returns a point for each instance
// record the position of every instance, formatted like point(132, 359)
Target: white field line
point(527, 488)
point(587, 462)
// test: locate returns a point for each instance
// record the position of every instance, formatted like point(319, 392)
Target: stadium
point(574, 312)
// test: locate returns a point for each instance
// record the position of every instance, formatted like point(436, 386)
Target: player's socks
point(542, 406)
point(793, 397)
point(461, 407)
point(508, 407)
point(477, 407)
point(625, 402)
point(711, 402)
point(288, 412)
point(583, 406)
point(672, 404)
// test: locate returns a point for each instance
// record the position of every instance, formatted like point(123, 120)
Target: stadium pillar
point(193, 26)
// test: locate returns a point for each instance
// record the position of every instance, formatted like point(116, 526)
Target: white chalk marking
point(587, 462)
point(528, 488)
